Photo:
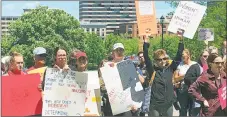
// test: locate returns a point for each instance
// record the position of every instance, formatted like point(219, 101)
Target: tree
point(95, 50)
point(171, 43)
point(174, 4)
point(44, 27)
point(216, 18)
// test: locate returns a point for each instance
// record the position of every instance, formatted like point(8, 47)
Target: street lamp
point(162, 21)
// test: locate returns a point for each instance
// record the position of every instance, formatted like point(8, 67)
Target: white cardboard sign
point(187, 17)
point(64, 93)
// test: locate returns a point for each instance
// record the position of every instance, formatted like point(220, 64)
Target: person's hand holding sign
point(180, 33)
point(146, 36)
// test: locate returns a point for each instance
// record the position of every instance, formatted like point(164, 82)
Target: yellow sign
point(96, 99)
point(39, 70)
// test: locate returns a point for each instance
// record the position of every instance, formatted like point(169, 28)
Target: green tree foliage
point(48, 28)
point(174, 4)
point(95, 50)
point(171, 45)
point(216, 18)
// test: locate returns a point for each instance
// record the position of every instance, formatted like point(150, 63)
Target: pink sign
point(222, 95)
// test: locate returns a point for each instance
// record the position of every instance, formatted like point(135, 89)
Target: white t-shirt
point(183, 68)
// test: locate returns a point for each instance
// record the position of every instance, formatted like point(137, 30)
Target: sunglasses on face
point(161, 59)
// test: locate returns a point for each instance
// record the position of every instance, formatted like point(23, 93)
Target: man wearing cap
point(118, 56)
point(39, 58)
point(78, 61)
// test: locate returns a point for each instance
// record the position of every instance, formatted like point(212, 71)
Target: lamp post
point(162, 21)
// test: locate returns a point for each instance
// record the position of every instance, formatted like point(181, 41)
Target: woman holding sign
point(60, 62)
point(207, 86)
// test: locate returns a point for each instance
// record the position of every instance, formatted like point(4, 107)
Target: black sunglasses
point(162, 59)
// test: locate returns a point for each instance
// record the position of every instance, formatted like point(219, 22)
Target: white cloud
point(30, 5)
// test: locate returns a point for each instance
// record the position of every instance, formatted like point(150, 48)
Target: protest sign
point(146, 17)
point(187, 17)
point(122, 86)
point(130, 79)
point(20, 95)
point(93, 97)
point(41, 72)
point(64, 93)
point(222, 95)
point(38, 70)
point(206, 34)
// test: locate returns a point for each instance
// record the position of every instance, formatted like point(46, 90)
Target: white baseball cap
point(118, 45)
point(39, 51)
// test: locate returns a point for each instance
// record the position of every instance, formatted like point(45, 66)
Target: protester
point(205, 88)
point(118, 56)
point(60, 62)
point(162, 92)
point(192, 74)
point(182, 89)
point(16, 64)
point(147, 90)
point(5, 64)
point(78, 61)
point(39, 58)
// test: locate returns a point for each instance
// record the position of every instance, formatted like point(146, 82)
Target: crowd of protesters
point(181, 83)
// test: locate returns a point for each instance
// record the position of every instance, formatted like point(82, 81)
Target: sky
point(15, 8)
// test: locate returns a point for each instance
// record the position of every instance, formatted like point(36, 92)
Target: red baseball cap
point(80, 54)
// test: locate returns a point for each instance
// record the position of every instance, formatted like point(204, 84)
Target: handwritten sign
point(146, 17)
point(130, 80)
point(20, 95)
point(122, 86)
point(222, 95)
point(187, 17)
point(206, 34)
point(65, 93)
point(93, 95)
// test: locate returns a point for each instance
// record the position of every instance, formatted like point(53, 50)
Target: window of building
point(129, 26)
point(103, 34)
point(8, 18)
